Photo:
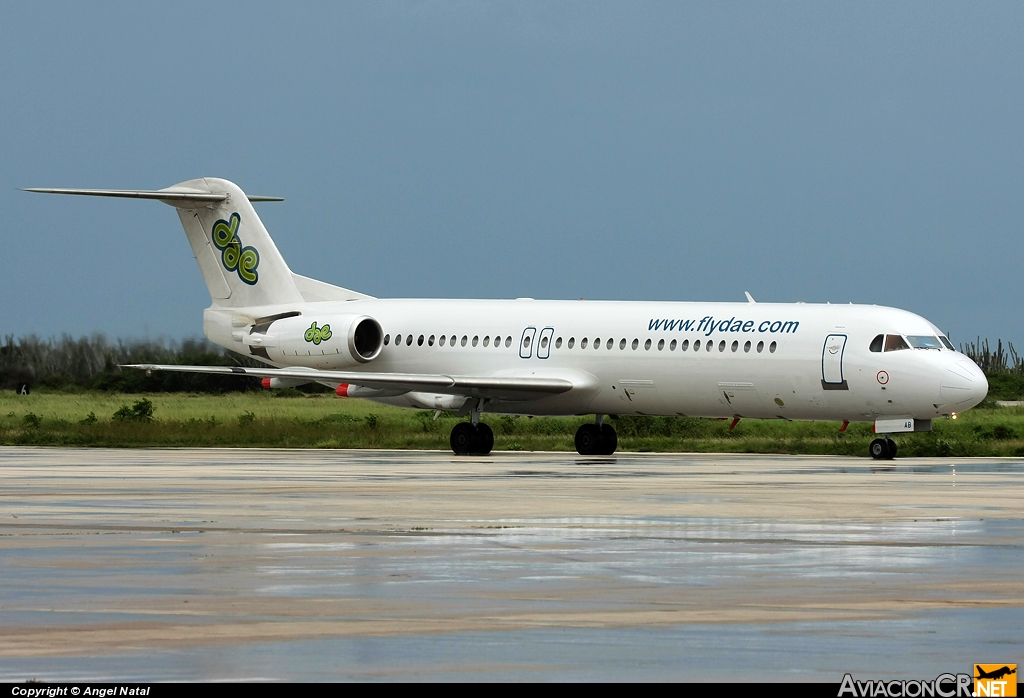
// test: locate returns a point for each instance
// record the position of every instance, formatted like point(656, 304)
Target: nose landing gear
point(596, 440)
point(882, 449)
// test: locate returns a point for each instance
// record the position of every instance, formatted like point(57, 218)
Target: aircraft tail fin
point(239, 262)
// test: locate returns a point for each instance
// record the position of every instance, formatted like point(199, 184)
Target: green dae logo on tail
point(243, 260)
point(318, 334)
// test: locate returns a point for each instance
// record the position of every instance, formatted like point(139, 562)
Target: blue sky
point(865, 152)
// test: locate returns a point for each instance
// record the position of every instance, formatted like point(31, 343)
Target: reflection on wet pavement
point(307, 565)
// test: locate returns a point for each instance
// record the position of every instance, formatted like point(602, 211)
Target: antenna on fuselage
point(750, 298)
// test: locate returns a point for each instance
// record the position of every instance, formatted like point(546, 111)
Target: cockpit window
point(924, 341)
point(948, 344)
point(876, 343)
point(894, 342)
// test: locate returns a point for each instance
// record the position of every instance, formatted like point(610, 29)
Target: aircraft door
point(544, 346)
point(832, 377)
point(526, 343)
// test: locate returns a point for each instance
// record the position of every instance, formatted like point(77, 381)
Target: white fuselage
point(758, 360)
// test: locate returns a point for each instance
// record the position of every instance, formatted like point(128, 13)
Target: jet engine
point(317, 341)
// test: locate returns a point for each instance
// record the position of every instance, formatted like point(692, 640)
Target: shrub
point(1003, 432)
point(141, 411)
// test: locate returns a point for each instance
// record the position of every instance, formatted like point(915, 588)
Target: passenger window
point(622, 344)
point(672, 346)
point(597, 343)
point(526, 342)
point(636, 343)
point(661, 344)
point(876, 343)
point(721, 345)
point(696, 345)
point(771, 347)
point(708, 345)
point(610, 344)
point(760, 347)
point(508, 341)
point(408, 341)
point(558, 343)
point(487, 341)
point(464, 340)
point(387, 339)
point(431, 340)
point(476, 340)
point(894, 342)
point(647, 345)
point(746, 347)
point(583, 343)
point(685, 345)
point(419, 342)
point(441, 341)
point(735, 345)
point(572, 341)
point(543, 342)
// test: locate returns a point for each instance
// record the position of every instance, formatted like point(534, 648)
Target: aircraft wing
point(500, 387)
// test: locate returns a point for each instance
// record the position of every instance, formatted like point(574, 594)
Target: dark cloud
point(869, 152)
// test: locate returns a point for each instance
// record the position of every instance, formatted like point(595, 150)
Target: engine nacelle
point(318, 341)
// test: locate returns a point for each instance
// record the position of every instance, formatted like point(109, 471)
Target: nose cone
point(963, 384)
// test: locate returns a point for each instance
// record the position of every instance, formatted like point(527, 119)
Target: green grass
point(290, 419)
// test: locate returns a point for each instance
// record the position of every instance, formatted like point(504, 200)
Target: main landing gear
point(882, 449)
point(475, 438)
point(472, 439)
point(596, 439)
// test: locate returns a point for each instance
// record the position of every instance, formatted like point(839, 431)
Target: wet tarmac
point(331, 565)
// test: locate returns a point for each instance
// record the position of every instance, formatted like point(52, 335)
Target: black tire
point(610, 439)
point(892, 449)
point(879, 449)
point(463, 439)
point(484, 439)
point(588, 440)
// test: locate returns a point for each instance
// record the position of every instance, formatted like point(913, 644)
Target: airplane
point(791, 361)
point(995, 674)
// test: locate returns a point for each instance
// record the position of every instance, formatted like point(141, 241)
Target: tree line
point(95, 362)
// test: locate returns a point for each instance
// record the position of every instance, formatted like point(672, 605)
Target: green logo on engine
point(243, 260)
point(318, 334)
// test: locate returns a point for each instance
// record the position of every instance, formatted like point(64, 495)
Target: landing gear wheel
point(610, 439)
point(588, 440)
point(463, 439)
point(484, 439)
point(892, 449)
point(468, 439)
point(879, 449)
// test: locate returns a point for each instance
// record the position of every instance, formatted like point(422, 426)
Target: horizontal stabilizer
point(170, 195)
point(507, 387)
